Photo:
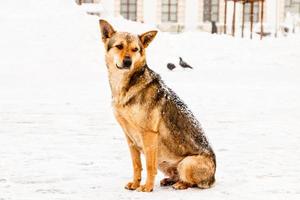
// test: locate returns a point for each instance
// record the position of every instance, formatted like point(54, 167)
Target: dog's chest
point(136, 115)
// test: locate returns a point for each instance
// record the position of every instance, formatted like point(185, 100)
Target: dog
point(156, 122)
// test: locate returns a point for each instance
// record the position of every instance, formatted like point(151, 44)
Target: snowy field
point(58, 136)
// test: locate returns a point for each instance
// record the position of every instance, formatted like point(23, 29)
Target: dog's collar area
point(122, 67)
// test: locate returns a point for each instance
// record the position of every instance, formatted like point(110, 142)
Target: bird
point(184, 64)
point(171, 66)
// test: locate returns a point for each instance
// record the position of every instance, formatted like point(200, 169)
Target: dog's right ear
point(106, 30)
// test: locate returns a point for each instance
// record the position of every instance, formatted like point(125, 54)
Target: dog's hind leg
point(198, 170)
point(170, 172)
point(167, 181)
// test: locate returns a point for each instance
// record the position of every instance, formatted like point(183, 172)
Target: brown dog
point(155, 121)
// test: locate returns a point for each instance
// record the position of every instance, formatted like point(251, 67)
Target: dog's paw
point(167, 182)
point(145, 188)
point(180, 185)
point(132, 185)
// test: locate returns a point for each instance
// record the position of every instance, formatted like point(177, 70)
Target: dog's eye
point(120, 46)
point(135, 49)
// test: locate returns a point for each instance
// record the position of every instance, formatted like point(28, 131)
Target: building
point(178, 15)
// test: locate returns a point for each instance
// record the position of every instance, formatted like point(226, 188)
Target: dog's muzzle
point(126, 63)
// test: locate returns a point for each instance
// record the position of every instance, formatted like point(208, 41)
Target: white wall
point(150, 10)
point(191, 14)
point(270, 13)
point(108, 6)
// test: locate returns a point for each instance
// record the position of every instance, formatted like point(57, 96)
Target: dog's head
point(124, 51)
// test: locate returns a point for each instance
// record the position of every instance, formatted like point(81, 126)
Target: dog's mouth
point(121, 67)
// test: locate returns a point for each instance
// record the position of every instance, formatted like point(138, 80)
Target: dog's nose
point(127, 62)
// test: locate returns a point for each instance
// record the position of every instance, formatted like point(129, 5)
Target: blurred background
point(216, 16)
point(60, 140)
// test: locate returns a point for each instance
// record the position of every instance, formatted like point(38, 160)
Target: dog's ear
point(147, 37)
point(106, 30)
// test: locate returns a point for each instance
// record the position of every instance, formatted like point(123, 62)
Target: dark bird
point(184, 64)
point(170, 66)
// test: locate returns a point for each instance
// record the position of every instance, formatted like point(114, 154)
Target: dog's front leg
point(150, 145)
point(137, 165)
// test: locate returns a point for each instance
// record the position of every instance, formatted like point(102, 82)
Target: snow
point(58, 136)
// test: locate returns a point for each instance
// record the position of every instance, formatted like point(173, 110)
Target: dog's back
point(184, 129)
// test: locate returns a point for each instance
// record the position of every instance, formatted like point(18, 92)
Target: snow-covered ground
point(59, 139)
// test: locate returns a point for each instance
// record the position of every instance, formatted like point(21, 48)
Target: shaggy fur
point(156, 122)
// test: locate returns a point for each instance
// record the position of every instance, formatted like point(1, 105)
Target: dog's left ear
point(147, 37)
point(106, 30)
